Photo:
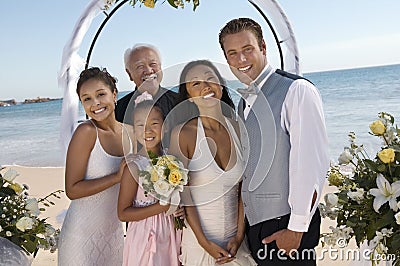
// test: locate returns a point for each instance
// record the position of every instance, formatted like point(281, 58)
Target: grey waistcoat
point(265, 188)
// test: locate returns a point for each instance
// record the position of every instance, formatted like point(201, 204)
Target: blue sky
point(330, 35)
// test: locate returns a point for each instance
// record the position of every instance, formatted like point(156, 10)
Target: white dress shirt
point(302, 117)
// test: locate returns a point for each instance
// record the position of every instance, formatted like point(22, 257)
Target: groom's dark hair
point(238, 25)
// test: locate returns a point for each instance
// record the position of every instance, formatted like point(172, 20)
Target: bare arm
point(79, 150)
point(235, 242)
point(127, 194)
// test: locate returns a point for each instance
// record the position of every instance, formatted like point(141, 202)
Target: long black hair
point(227, 105)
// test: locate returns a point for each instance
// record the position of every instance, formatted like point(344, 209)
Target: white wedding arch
point(72, 63)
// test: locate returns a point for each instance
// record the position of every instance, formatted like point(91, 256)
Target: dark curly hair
point(99, 74)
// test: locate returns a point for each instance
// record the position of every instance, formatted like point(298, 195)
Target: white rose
point(1, 228)
point(8, 233)
point(397, 216)
point(390, 135)
point(163, 188)
point(10, 175)
point(357, 195)
point(345, 157)
point(25, 223)
point(32, 206)
point(331, 200)
point(184, 176)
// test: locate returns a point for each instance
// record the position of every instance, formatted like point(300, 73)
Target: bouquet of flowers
point(367, 205)
point(20, 222)
point(163, 179)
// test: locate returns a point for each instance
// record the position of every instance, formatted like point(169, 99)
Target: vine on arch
point(151, 3)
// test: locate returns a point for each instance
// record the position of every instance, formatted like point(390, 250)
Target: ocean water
point(29, 133)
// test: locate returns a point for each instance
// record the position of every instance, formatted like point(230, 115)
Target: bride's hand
point(233, 245)
point(217, 252)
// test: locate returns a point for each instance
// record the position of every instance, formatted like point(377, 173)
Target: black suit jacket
point(165, 99)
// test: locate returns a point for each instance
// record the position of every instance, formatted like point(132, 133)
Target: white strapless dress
point(215, 194)
point(91, 233)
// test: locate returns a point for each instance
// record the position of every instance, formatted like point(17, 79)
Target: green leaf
point(29, 246)
point(386, 219)
point(152, 155)
point(166, 172)
point(371, 164)
point(195, 5)
point(172, 3)
point(396, 241)
point(6, 191)
point(381, 168)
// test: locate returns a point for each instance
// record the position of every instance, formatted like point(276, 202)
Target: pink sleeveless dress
point(151, 241)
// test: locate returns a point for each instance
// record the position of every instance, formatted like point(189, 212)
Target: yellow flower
point(335, 179)
point(162, 161)
point(16, 187)
point(175, 177)
point(172, 166)
point(377, 127)
point(386, 155)
point(154, 175)
point(148, 3)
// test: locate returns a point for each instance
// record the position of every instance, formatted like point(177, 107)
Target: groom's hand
point(286, 239)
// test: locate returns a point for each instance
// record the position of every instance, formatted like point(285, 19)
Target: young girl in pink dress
point(151, 238)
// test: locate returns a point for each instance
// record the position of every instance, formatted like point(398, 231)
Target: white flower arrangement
point(367, 204)
point(164, 179)
point(20, 222)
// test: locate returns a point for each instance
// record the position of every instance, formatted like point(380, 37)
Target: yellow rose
point(174, 177)
point(386, 155)
point(335, 179)
point(154, 175)
point(172, 166)
point(148, 3)
point(16, 187)
point(377, 127)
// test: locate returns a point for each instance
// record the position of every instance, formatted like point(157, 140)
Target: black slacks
point(270, 255)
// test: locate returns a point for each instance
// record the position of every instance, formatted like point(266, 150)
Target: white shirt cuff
point(299, 223)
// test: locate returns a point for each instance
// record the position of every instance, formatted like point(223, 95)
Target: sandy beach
point(42, 181)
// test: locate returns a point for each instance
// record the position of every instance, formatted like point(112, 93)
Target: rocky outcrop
point(8, 102)
point(38, 100)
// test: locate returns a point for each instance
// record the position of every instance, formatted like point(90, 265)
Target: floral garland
point(152, 3)
point(367, 205)
point(20, 222)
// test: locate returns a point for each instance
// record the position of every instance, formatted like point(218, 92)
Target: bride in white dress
point(209, 146)
point(92, 233)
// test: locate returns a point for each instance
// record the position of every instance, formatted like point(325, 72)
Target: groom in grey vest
point(287, 151)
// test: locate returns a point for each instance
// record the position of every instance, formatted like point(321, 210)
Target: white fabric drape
point(71, 65)
point(284, 31)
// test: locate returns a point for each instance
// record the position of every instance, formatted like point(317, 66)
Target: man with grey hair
point(143, 65)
